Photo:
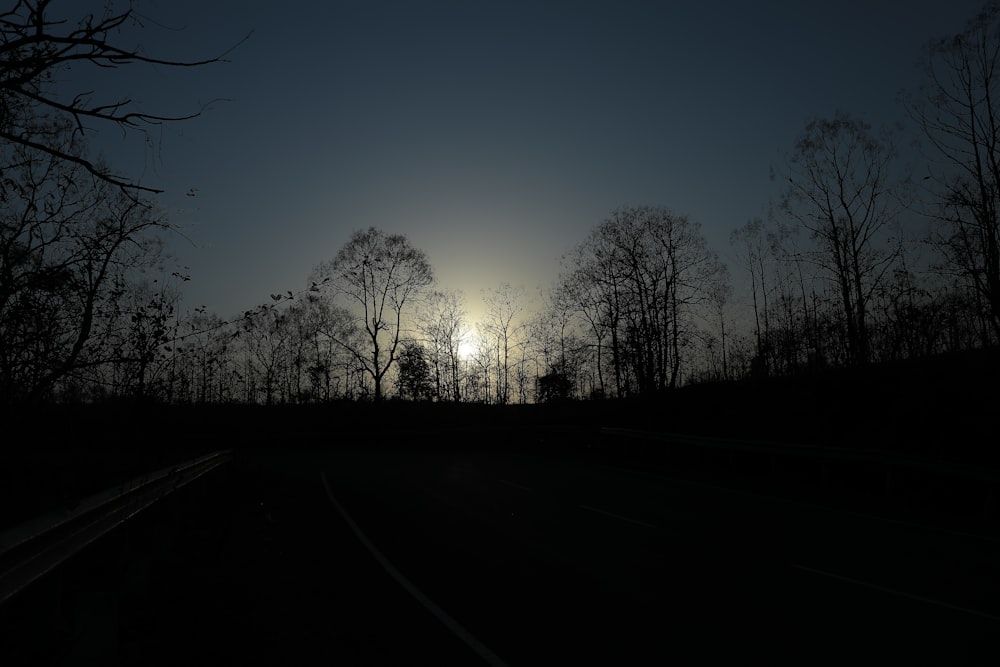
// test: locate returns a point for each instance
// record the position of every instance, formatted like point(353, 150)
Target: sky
point(493, 135)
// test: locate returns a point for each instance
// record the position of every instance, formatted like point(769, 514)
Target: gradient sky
point(494, 135)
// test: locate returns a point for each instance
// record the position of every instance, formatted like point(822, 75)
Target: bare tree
point(442, 324)
point(503, 306)
point(958, 112)
point(638, 280)
point(413, 381)
point(719, 294)
point(69, 244)
point(560, 344)
point(751, 242)
point(380, 275)
point(36, 45)
point(268, 337)
point(334, 368)
point(143, 331)
point(693, 276)
point(840, 188)
point(72, 232)
point(201, 359)
point(477, 381)
point(593, 283)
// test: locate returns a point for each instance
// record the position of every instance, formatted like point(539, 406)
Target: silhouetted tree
point(719, 293)
point(554, 386)
point(202, 360)
point(69, 246)
point(959, 114)
point(794, 315)
point(479, 388)
point(38, 47)
point(380, 276)
point(335, 370)
point(840, 188)
point(267, 338)
point(73, 233)
point(753, 248)
point(638, 280)
point(503, 306)
point(558, 338)
point(413, 378)
point(442, 325)
point(142, 331)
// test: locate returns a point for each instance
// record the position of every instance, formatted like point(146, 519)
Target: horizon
point(612, 200)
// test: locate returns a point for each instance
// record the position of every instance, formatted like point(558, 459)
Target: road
point(353, 555)
point(549, 559)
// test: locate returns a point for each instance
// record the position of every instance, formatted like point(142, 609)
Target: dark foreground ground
point(545, 538)
point(557, 557)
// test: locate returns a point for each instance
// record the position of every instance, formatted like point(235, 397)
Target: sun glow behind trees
point(467, 349)
point(641, 307)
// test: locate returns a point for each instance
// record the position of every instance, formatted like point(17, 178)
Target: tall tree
point(143, 331)
point(72, 230)
point(958, 111)
point(69, 244)
point(201, 359)
point(413, 381)
point(595, 283)
point(503, 306)
point(442, 325)
point(380, 276)
point(750, 241)
point(637, 281)
point(840, 188)
point(267, 341)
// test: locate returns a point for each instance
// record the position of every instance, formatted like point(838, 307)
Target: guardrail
point(31, 549)
point(891, 465)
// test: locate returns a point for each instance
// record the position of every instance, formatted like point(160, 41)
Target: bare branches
point(637, 281)
point(958, 114)
point(34, 47)
point(379, 274)
point(69, 247)
point(840, 189)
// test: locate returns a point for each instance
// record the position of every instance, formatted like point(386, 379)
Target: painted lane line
point(470, 640)
point(514, 484)
point(893, 591)
point(618, 516)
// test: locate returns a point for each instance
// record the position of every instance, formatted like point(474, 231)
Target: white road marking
point(470, 640)
point(618, 516)
point(514, 484)
point(893, 591)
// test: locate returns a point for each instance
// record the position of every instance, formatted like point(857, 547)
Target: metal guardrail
point(31, 549)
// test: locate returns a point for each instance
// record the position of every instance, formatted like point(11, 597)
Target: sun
point(467, 349)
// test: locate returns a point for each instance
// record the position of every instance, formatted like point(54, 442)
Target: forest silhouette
point(859, 265)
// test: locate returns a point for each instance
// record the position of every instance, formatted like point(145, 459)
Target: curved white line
point(470, 640)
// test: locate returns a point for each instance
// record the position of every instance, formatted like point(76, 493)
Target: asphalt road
point(531, 559)
point(249, 565)
point(555, 560)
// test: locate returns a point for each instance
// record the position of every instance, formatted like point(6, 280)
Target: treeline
point(862, 260)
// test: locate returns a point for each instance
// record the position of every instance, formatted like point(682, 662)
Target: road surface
point(416, 555)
